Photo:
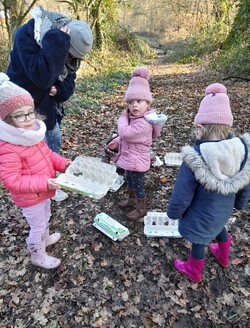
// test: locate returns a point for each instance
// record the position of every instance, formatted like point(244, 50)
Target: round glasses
point(23, 117)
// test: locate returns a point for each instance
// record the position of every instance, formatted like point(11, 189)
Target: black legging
point(198, 250)
point(135, 181)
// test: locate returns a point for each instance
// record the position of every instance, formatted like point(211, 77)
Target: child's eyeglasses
point(23, 117)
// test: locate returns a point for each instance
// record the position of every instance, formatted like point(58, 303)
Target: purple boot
point(192, 268)
point(221, 251)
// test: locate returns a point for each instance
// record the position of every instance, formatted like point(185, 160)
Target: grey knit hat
point(81, 38)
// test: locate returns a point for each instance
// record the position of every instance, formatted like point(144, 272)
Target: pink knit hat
point(138, 86)
point(12, 97)
point(215, 107)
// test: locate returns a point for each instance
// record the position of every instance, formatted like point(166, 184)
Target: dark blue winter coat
point(37, 69)
point(209, 185)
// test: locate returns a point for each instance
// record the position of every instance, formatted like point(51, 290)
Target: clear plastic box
point(173, 159)
point(88, 176)
point(158, 224)
point(110, 227)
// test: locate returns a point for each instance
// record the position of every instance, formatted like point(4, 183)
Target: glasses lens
point(20, 118)
point(23, 117)
point(32, 115)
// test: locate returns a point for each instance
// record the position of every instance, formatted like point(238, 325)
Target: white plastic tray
point(158, 162)
point(157, 224)
point(118, 183)
point(110, 227)
point(89, 176)
point(173, 159)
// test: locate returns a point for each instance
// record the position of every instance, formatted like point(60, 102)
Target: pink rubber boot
point(191, 269)
point(40, 258)
point(51, 239)
point(221, 251)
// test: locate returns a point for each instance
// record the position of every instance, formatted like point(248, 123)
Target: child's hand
point(53, 91)
point(112, 145)
point(67, 165)
point(65, 29)
point(52, 184)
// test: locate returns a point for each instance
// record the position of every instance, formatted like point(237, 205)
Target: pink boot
point(40, 258)
point(192, 268)
point(51, 239)
point(221, 251)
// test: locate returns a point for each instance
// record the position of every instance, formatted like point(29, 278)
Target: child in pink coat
point(27, 168)
point(138, 125)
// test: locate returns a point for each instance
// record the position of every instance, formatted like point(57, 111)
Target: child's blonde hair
point(221, 131)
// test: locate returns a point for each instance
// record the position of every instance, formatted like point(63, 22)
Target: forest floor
point(129, 283)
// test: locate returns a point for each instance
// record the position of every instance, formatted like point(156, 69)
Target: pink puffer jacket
point(135, 139)
point(24, 171)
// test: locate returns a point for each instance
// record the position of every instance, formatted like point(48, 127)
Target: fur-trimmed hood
point(218, 166)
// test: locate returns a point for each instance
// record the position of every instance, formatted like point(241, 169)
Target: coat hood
point(218, 166)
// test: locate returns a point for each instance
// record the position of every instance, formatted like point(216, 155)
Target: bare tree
point(15, 12)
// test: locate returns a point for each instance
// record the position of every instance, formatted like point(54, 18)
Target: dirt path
point(132, 283)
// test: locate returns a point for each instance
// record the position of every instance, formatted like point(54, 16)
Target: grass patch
point(103, 71)
point(90, 90)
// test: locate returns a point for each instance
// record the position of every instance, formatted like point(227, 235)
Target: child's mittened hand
point(52, 184)
point(155, 118)
point(112, 145)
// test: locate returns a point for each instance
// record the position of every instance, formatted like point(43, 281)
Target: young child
point(213, 179)
point(27, 168)
point(138, 125)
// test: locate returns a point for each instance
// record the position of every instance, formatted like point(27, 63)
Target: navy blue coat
point(37, 69)
point(201, 202)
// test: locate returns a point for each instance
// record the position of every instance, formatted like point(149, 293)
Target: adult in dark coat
point(45, 57)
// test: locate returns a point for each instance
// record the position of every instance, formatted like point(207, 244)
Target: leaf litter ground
point(132, 283)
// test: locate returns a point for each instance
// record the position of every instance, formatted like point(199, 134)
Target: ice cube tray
point(110, 227)
point(173, 159)
point(88, 176)
point(158, 224)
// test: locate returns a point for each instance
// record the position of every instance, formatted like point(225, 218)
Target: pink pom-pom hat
point(215, 107)
point(138, 88)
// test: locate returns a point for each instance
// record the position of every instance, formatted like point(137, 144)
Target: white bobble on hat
point(81, 38)
point(12, 97)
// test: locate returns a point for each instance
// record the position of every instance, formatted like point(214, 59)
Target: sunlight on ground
point(173, 69)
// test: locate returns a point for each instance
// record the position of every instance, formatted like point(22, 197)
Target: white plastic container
point(118, 183)
point(173, 159)
point(88, 176)
point(110, 227)
point(158, 224)
point(158, 162)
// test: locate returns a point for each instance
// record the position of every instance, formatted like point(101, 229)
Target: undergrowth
point(102, 71)
point(234, 60)
point(198, 46)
